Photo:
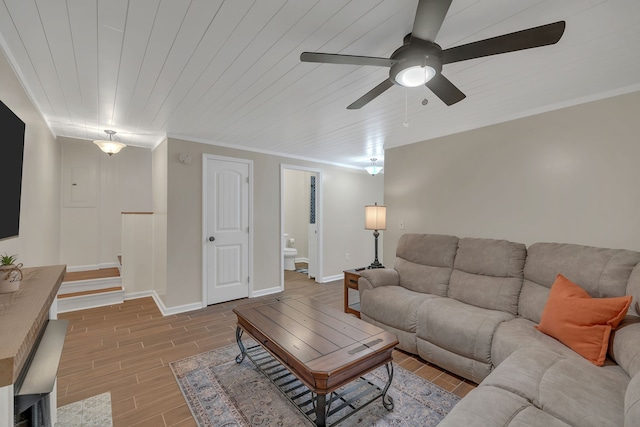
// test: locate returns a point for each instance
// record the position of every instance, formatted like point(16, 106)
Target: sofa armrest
point(623, 345)
point(373, 278)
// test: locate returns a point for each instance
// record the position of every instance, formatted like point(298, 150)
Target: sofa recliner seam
point(602, 273)
point(515, 414)
point(628, 410)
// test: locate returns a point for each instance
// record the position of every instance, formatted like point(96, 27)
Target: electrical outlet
point(346, 257)
point(401, 224)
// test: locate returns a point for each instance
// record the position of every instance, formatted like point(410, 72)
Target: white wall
point(346, 191)
point(159, 185)
point(137, 254)
point(39, 238)
point(569, 175)
point(297, 200)
point(90, 223)
point(344, 204)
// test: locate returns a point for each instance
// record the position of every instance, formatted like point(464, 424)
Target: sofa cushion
point(491, 406)
point(520, 333)
point(632, 403)
point(570, 389)
point(424, 262)
point(463, 366)
point(601, 272)
point(580, 322)
point(459, 328)
point(488, 273)
point(394, 306)
point(406, 340)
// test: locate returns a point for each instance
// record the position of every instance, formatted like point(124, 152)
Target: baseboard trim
point(90, 267)
point(263, 292)
point(108, 265)
point(84, 302)
point(76, 268)
point(166, 311)
point(89, 285)
point(136, 295)
point(332, 278)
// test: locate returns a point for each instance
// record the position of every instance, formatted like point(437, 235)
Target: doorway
point(226, 219)
point(300, 218)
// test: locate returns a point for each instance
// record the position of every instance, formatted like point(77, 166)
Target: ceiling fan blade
point(429, 18)
point(445, 90)
point(336, 58)
point(371, 95)
point(526, 39)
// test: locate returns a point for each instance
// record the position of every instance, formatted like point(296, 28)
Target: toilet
point(289, 253)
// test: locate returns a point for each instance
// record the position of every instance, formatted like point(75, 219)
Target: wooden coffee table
point(316, 355)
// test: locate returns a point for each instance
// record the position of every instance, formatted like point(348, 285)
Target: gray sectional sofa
point(471, 306)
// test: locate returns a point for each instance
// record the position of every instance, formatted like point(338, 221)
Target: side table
point(351, 282)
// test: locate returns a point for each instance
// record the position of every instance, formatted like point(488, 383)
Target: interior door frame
point(205, 246)
point(319, 218)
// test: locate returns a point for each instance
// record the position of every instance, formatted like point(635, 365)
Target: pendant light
point(110, 146)
point(373, 169)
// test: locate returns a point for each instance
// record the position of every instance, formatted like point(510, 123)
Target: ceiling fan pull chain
point(406, 109)
point(425, 101)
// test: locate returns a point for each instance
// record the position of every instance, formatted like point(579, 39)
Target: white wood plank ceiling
point(228, 72)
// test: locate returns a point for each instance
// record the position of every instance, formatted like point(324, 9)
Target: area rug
point(221, 392)
point(94, 411)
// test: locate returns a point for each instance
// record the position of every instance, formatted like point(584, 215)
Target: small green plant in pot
point(10, 273)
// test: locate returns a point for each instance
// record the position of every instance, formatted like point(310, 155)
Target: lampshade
point(373, 169)
point(109, 146)
point(375, 217)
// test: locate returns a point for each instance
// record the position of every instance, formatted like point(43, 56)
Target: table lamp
point(375, 218)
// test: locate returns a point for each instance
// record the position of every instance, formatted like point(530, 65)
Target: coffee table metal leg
point(321, 414)
point(387, 401)
point(243, 351)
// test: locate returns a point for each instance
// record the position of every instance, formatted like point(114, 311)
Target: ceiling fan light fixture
point(415, 76)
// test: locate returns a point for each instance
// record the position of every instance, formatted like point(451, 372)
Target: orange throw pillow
point(581, 322)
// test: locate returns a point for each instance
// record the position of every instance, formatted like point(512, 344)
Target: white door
point(226, 230)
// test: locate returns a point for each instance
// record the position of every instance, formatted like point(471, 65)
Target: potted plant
point(10, 273)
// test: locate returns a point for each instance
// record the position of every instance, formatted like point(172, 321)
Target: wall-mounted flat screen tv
point(11, 157)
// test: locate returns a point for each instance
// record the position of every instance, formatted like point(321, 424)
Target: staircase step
point(90, 299)
point(88, 289)
point(91, 292)
point(88, 285)
point(102, 273)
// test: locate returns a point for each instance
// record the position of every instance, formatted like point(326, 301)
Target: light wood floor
point(126, 349)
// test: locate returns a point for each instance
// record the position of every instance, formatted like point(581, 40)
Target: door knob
point(211, 238)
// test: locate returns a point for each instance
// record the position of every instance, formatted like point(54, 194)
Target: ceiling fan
point(419, 60)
